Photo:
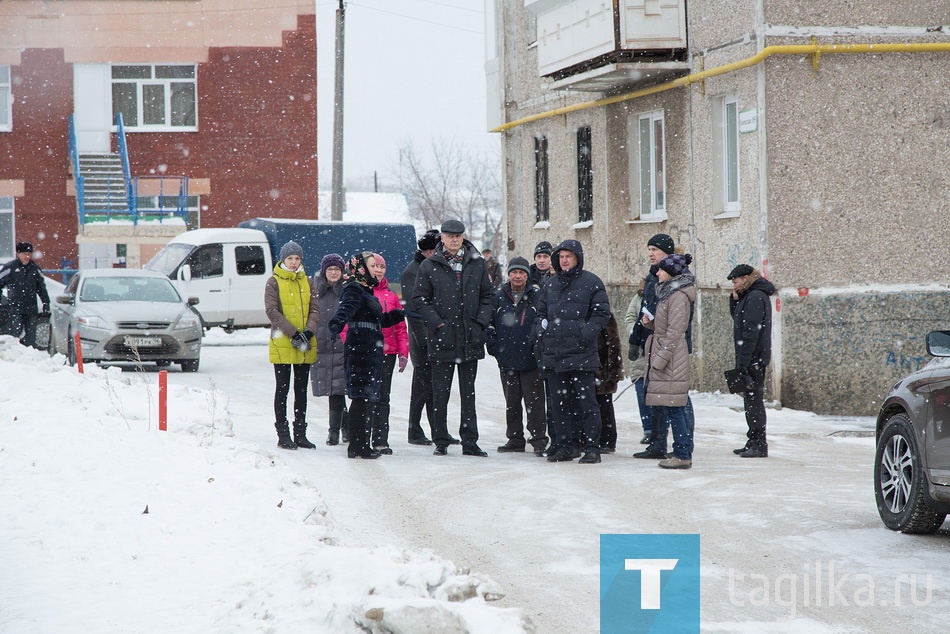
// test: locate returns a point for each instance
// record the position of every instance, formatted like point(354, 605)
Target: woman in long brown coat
point(667, 373)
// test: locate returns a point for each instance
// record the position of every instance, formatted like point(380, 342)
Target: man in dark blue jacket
point(751, 311)
point(24, 281)
point(509, 341)
point(453, 294)
point(572, 310)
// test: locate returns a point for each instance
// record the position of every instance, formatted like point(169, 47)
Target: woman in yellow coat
point(291, 306)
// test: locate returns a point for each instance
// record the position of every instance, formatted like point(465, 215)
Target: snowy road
point(788, 543)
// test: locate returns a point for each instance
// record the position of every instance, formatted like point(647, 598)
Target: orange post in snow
point(163, 400)
point(76, 342)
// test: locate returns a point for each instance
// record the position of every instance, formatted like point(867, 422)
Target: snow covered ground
point(242, 537)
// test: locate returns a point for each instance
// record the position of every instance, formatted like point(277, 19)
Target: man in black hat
point(453, 293)
point(24, 281)
point(541, 270)
point(509, 341)
point(751, 311)
point(420, 394)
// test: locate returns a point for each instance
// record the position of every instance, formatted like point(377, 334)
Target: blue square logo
point(649, 583)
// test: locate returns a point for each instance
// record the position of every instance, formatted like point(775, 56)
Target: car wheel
point(71, 357)
point(899, 481)
point(164, 363)
point(51, 343)
point(191, 365)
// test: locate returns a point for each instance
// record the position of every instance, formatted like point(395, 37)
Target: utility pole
point(338, 197)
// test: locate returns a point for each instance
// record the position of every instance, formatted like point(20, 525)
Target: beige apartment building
point(810, 140)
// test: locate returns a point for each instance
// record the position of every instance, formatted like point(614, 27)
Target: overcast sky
point(414, 70)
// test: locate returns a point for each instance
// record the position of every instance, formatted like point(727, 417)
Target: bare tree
point(452, 182)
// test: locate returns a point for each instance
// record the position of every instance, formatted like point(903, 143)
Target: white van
point(225, 268)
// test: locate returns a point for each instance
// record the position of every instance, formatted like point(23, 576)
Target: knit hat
point(429, 240)
point(453, 226)
point(543, 247)
point(675, 264)
point(291, 248)
point(518, 264)
point(662, 242)
point(739, 271)
point(332, 259)
point(357, 270)
point(24, 247)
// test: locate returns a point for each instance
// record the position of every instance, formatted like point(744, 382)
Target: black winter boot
point(336, 420)
point(300, 435)
point(284, 441)
point(345, 426)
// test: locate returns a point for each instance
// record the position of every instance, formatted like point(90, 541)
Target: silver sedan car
point(126, 315)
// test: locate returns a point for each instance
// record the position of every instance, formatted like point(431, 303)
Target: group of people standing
point(550, 328)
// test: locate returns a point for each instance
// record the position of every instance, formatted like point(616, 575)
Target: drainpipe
point(762, 136)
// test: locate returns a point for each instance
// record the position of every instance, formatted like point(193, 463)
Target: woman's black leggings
point(301, 379)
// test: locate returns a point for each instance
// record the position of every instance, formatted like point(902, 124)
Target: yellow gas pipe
point(814, 50)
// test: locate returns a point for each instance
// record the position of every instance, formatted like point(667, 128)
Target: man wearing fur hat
point(751, 311)
point(24, 281)
point(509, 341)
point(420, 394)
point(453, 294)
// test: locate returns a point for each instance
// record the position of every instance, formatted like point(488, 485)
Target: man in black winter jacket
point(420, 394)
point(751, 311)
point(509, 341)
point(573, 308)
point(453, 294)
point(24, 281)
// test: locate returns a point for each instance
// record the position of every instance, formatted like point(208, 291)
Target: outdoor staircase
point(105, 191)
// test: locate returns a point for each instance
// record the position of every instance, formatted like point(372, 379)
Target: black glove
point(45, 312)
point(300, 342)
point(308, 334)
point(334, 329)
point(747, 378)
point(634, 352)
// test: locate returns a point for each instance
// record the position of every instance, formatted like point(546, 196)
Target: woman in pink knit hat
point(395, 350)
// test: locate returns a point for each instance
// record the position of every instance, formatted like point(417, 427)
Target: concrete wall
point(832, 191)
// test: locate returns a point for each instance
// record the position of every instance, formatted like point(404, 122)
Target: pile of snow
point(110, 525)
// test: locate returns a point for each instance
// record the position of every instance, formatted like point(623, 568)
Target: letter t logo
point(650, 579)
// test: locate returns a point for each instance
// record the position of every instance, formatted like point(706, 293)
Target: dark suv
point(912, 461)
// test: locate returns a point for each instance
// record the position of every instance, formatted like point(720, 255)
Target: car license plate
point(143, 342)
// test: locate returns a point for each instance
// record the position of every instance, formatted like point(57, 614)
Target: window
point(6, 100)
point(585, 176)
point(725, 112)
point(207, 261)
point(6, 228)
point(250, 260)
point(156, 96)
point(542, 201)
point(648, 166)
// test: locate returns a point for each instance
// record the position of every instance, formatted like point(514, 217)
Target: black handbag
point(735, 379)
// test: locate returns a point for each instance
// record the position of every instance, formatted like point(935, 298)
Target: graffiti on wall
point(904, 363)
point(742, 254)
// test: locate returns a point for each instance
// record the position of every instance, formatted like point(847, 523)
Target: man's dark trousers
point(441, 390)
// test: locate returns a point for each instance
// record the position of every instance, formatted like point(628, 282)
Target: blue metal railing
point(159, 211)
point(77, 176)
point(126, 170)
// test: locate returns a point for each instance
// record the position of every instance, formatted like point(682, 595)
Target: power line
point(409, 17)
